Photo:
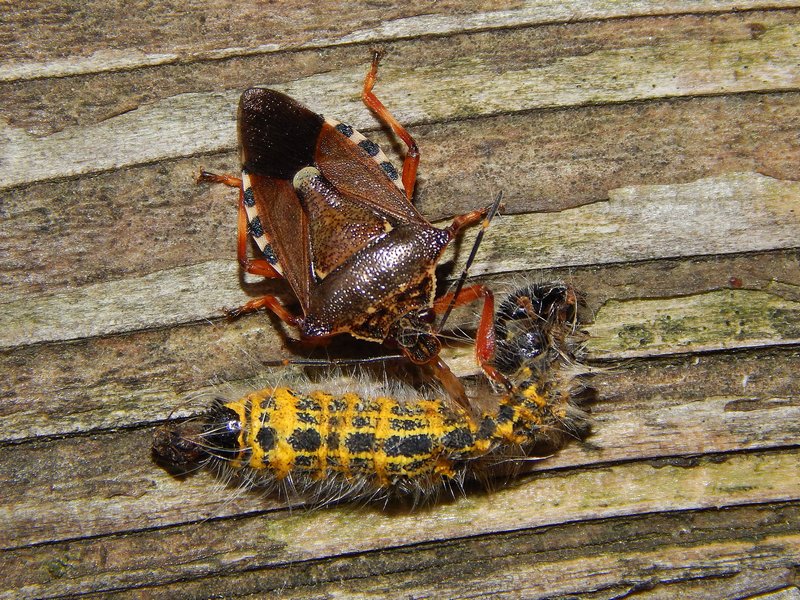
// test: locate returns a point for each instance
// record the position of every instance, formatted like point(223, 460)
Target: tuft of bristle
point(325, 447)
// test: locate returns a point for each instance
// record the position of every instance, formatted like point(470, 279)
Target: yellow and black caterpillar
point(331, 447)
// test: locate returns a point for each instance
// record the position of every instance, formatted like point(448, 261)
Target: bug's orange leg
point(269, 302)
point(229, 180)
point(485, 340)
point(254, 266)
point(411, 161)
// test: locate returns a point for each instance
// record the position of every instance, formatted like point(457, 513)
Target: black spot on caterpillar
point(326, 447)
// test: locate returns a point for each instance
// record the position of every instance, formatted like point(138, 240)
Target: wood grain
point(648, 153)
point(687, 63)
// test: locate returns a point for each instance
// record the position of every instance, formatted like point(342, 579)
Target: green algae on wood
point(709, 321)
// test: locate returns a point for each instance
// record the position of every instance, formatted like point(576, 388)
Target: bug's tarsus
point(208, 177)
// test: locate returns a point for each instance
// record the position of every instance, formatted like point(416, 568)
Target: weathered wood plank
point(142, 220)
point(644, 223)
point(106, 482)
point(667, 161)
point(732, 61)
point(789, 593)
point(710, 570)
point(275, 539)
point(715, 570)
point(736, 212)
point(204, 33)
point(735, 559)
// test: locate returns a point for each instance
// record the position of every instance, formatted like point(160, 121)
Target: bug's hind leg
point(411, 161)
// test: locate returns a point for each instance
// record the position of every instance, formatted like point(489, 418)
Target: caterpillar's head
point(533, 326)
point(182, 447)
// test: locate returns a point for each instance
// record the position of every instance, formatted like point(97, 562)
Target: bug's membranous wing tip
point(278, 135)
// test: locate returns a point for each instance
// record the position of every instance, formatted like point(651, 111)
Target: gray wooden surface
point(649, 153)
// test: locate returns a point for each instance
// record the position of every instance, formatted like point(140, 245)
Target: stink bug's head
point(413, 333)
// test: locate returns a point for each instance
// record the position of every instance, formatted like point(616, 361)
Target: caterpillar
point(329, 447)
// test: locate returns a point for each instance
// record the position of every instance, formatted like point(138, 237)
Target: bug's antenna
point(476, 244)
point(337, 362)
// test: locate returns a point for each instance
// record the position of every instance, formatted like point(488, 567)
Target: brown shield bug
point(333, 217)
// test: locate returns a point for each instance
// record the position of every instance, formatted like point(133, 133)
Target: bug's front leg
point(469, 219)
point(411, 161)
point(485, 338)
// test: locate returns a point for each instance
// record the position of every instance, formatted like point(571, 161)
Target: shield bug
point(333, 217)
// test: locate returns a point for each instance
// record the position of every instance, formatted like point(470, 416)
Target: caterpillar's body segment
point(346, 446)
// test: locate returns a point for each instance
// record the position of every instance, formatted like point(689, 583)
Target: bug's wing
point(278, 137)
point(285, 227)
point(338, 226)
point(332, 217)
point(359, 170)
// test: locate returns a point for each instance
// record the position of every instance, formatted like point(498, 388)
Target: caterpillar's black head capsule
point(532, 322)
point(182, 447)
